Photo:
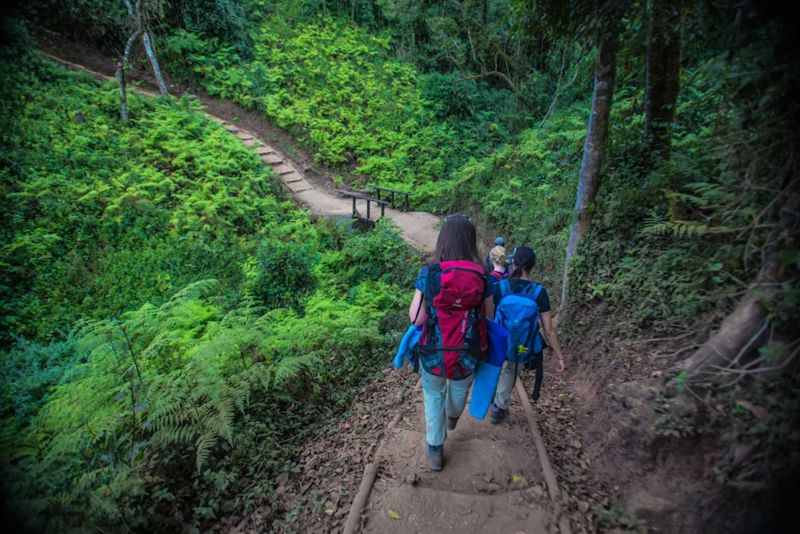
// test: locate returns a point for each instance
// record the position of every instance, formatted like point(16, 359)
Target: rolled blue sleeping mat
point(488, 373)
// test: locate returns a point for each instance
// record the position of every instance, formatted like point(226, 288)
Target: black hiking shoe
point(451, 423)
point(434, 454)
point(498, 415)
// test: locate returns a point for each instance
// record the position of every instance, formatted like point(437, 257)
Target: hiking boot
point(498, 415)
point(451, 423)
point(434, 454)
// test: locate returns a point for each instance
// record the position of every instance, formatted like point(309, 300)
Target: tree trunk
point(662, 72)
point(123, 96)
point(148, 48)
point(739, 333)
point(122, 64)
point(596, 135)
point(745, 329)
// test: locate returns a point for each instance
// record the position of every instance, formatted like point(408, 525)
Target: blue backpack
point(518, 313)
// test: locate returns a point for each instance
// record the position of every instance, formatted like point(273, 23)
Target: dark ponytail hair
point(457, 240)
point(524, 259)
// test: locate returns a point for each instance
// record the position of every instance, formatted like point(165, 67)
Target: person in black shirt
point(523, 261)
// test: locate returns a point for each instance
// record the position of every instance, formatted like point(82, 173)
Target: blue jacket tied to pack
point(407, 344)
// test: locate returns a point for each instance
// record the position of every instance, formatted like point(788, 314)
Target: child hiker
point(451, 303)
point(520, 304)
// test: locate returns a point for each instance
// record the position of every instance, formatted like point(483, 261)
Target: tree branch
point(497, 73)
point(148, 48)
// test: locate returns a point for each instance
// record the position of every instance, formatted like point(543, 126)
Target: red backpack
point(453, 338)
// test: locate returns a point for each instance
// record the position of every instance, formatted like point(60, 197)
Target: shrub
point(284, 274)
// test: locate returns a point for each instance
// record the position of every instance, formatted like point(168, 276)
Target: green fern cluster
point(172, 384)
point(98, 218)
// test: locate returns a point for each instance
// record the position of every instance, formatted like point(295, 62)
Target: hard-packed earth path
point(419, 229)
point(495, 478)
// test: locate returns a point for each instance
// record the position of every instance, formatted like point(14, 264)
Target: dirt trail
point(419, 229)
point(495, 479)
point(492, 480)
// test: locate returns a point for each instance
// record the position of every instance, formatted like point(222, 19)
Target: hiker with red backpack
point(520, 305)
point(451, 303)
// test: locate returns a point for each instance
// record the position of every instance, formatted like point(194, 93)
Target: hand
point(560, 365)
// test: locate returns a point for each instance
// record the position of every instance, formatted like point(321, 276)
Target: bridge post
point(368, 209)
point(354, 208)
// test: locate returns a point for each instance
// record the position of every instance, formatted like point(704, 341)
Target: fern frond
point(683, 229)
point(290, 367)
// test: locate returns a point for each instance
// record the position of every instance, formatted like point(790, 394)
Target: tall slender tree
point(138, 21)
point(596, 134)
point(662, 72)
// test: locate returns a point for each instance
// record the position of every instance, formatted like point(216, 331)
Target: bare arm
point(488, 307)
point(416, 312)
point(552, 340)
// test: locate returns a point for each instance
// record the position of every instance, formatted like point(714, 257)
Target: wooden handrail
point(377, 189)
point(359, 196)
point(364, 197)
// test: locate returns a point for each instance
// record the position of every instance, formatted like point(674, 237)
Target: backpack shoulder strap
point(505, 287)
point(537, 290)
point(532, 289)
point(433, 283)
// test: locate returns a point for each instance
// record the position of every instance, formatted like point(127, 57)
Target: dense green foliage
point(670, 240)
point(190, 283)
point(98, 219)
point(163, 288)
point(338, 87)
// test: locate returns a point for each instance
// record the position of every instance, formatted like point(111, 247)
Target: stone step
point(250, 143)
point(283, 168)
point(271, 158)
point(244, 136)
point(291, 178)
point(264, 150)
point(296, 187)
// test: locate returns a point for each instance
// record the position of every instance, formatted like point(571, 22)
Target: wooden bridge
point(369, 212)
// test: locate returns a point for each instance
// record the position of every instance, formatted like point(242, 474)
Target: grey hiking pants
point(505, 384)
